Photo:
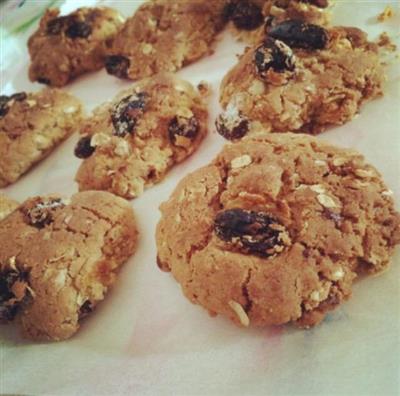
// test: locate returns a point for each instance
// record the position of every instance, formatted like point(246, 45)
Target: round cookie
point(65, 47)
point(164, 36)
point(303, 77)
point(276, 229)
point(59, 257)
point(132, 142)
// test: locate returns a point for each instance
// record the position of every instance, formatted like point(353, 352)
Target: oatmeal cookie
point(303, 77)
point(164, 36)
point(65, 47)
point(58, 258)
point(276, 229)
point(7, 206)
point(31, 126)
point(134, 140)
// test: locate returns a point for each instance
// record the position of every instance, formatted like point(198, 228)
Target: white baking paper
point(147, 339)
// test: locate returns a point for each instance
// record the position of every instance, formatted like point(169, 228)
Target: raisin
point(251, 232)
point(78, 29)
point(43, 80)
point(117, 65)
point(228, 11)
point(273, 54)
point(232, 124)
point(19, 96)
point(4, 99)
point(85, 309)
point(39, 214)
point(126, 113)
point(56, 26)
point(9, 302)
point(298, 34)
point(246, 15)
point(183, 126)
point(317, 3)
point(83, 148)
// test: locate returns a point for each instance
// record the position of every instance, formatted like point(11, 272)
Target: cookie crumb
point(240, 312)
point(386, 14)
point(204, 88)
point(386, 43)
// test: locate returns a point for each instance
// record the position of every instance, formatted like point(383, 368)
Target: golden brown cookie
point(276, 229)
point(133, 141)
point(164, 36)
point(7, 206)
point(302, 78)
point(31, 126)
point(65, 47)
point(58, 258)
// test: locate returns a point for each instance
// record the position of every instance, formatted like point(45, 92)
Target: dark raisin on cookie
point(56, 25)
point(40, 212)
point(246, 15)
point(78, 29)
point(83, 148)
point(13, 290)
point(317, 3)
point(298, 34)
point(228, 10)
point(232, 124)
point(251, 232)
point(117, 65)
point(43, 80)
point(184, 127)
point(5, 101)
point(127, 112)
point(85, 309)
point(4, 105)
point(273, 54)
point(19, 96)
